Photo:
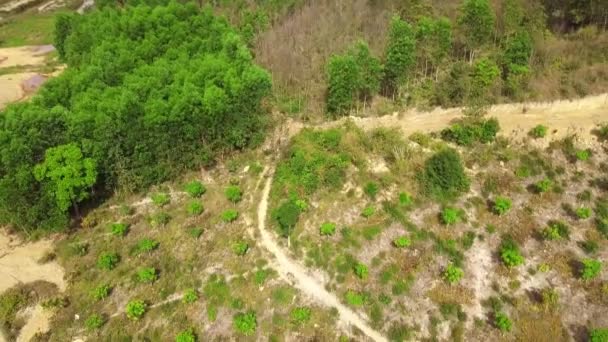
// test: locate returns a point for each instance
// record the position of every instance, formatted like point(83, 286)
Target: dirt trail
point(301, 279)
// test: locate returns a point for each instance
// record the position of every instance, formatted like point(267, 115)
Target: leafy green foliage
point(108, 260)
point(195, 208)
point(355, 298)
point(405, 199)
point(287, 215)
point(539, 131)
point(101, 292)
point(229, 215)
point(300, 315)
point(195, 189)
point(591, 269)
point(583, 155)
point(598, 335)
point(543, 185)
point(186, 336)
point(361, 271)
point(400, 53)
point(240, 248)
point(485, 73)
point(443, 176)
point(147, 275)
point(195, 232)
point(328, 228)
point(470, 131)
point(368, 211)
point(556, 230)
point(452, 274)
point(234, 193)
point(509, 252)
point(136, 309)
point(146, 245)
point(94, 322)
point(477, 22)
point(501, 205)
point(160, 219)
point(190, 296)
point(161, 199)
point(583, 213)
point(371, 189)
point(245, 323)
point(402, 242)
point(502, 321)
point(450, 215)
point(260, 276)
point(119, 229)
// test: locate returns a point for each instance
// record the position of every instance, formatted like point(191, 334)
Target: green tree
point(485, 73)
point(443, 176)
point(400, 54)
point(476, 21)
point(370, 71)
point(63, 27)
point(68, 174)
point(343, 78)
point(433, 42)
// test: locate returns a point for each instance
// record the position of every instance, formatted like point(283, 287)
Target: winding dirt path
point(302, 280)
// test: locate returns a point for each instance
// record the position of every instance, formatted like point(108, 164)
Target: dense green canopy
point(148, 92)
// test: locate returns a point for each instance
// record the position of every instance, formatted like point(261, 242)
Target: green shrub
point(509, 252)
point(543, 185)
point(443, 176)
point(405, 199)
point(287, 215)
point(468, 132)
point(583, 155)
point(107, 260)
point(146, 245)
point(450, 216)
point(260, 276)
point(195, 232)
point(370, 233)
point(195, 208)
point(539, 131)
point(328, 228)
point(361, 271)
point(101, 292)
point(371, 189)
point(161, 199)
point(355, 298)
point(590, 246)
point(501, 205)
point(94, 322)
point(556, 230)
point(234, 193)
point(599, 335)
point(245, 323)
point(160, 219)
point(502, 321)
point(186, 336)
point(136, 309)
point(300, 315)
point(368, 212)
point(452, 274)
point(195, 189)
point(591, 269)
point(230, 215)
point(190, 296)
point(240, 248)
point(147, 275)
point(119, 229)
point(402, 242)
point(583, 213)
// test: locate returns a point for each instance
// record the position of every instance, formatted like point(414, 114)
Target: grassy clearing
point(27, 29)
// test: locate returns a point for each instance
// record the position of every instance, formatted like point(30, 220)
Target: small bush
point(556, 230)
point(502, 321)
point(195, 208)
point(583, 155)
point(368, 212)
point(599, 335)
point(107, 260)
point(260, 276)
point(361, 271)
point(101, 292)
point(160, 219)
point(402, 242)
point(583, 213)
point(450, 216)
point(233, 193)
point(452, 274)
point(501, 205)
point(229, 215)
point(591, 269)
point(405, 199)
point(146, 245)
point(509, 252)
point(245, 323)
point(119, 229)
point(443, 176)
point(539, 131)
point(190, 296)
point(371, 189)
point(328, 228)
point(195, 189)
point(370, 233)
point(240, 248)
point(590, 246)
point(136, 309)
point(467, 133)
point(354, 298)
point(94, 322)
point(147, 275)
point(195, 232)
point(161, 199)
point(187, 335)
point(300, 315)
point(543, 185)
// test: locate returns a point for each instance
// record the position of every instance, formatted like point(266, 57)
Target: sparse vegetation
point(501, 205)
point(538, 132)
